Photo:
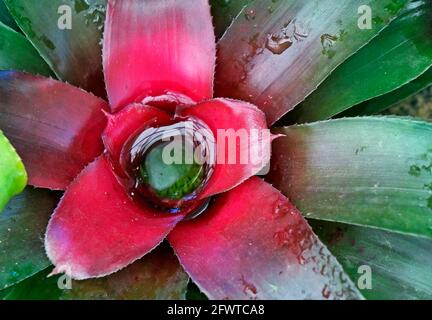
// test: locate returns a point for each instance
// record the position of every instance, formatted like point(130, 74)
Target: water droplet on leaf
point(277, 44)
point(292, 32)
point(250, 14)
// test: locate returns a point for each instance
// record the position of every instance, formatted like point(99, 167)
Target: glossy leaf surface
point(22, 226)
point(253, 244)
point(6, 18)
point(386, 101)
point(154, 47)
point(373, 171)
point(98, 229)
point(239, 122)
point(67, 34)
point(55, 127)
point(17, 53)
point(277, 56)
point(158, 276)
point(398, 265)
point(399, 54)
point(13, 177)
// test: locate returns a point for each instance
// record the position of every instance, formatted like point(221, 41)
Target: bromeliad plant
point(365, 183)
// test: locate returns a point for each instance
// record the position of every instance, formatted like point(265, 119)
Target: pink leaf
point(55, 127)
point(253, 244)
point(151, 47)
point(97, 229)
point(251, 151)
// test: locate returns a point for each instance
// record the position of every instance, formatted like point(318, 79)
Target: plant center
point(171, 178)
point(169, 166)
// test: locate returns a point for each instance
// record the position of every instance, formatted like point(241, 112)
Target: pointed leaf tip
point(253, 244)
point(89, 237)
point(55, 127)
point(67, 34)
point(383, 62)
point(371, 171)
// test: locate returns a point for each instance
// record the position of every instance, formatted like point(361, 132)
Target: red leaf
point(151, 47)
point(238, 116)
point(55, 127)
point(97, 229)
point(253, 244)
point(127, 123)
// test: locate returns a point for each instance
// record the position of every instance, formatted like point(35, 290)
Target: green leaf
point(13, 177)
point(278, 55)
point(22, 228)
point(6, 18)
point(386, 101)
point(5, 292)
point(401, 53)
point(17, 53)
point(37, 287)
point(224, 12)
point(72, 49)
point(194, 293)
point(157, 276)
point(400, 265)
point(373, 171)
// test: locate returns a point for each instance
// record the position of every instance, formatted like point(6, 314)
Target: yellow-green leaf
point(13, 177)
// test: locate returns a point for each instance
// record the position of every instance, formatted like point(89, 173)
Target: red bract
point(159, 59)
point(151, 48)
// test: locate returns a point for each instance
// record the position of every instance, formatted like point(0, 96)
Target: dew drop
point(95, 15)
point(326, 292)
point(292, 32)
point(282, 208)
point(328, 40)
point(415, 171)
point(248, 288)
point(277, 44)
point(283, 238)
point(250, 14)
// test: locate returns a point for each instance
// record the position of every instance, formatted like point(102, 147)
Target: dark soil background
point(419, 105)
